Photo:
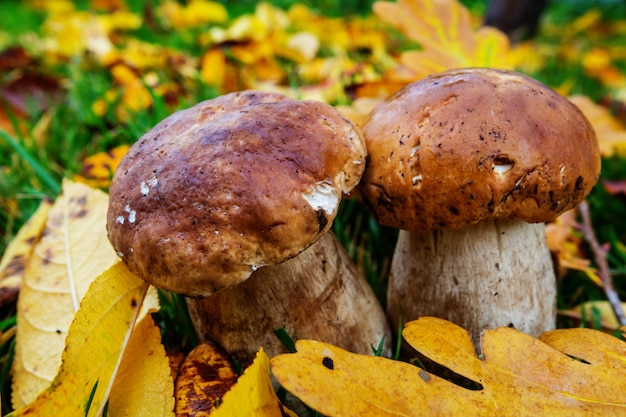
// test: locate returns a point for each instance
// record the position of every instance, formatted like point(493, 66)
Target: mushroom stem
point(495, 273)
point(319, 294)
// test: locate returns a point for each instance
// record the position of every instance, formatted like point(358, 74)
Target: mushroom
point(218, 201)
point(470, 163)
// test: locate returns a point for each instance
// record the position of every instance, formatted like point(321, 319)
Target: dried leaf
point(31, 90)
point(19, 251)
point(253, 394)
point(144, 386)
point(205, 376)
point(519, 375)
point(95, 343)
point(73, 251)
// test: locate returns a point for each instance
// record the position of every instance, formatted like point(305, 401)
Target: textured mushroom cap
point(468, 145)
point(218, 190)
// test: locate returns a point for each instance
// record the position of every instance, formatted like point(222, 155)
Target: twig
point(600, 256)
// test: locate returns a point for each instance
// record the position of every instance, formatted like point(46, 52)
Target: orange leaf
point(518, 375)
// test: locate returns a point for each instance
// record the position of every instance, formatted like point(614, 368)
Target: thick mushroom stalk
point(469, 164)
point(521, 294)
point(319, 294)
point(222, 193)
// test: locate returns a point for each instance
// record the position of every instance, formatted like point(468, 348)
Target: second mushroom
point(469, 164)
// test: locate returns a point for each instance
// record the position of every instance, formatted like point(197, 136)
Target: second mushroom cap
point(475, 144)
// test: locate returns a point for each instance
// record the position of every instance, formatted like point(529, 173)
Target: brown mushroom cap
point(218, 190)
point(469, 145)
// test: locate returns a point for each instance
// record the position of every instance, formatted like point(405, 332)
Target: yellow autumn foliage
point(253, 395)
point(94, 347)
point(72, 252)
point(570, 372)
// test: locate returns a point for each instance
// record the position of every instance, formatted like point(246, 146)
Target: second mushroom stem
point(495, 273)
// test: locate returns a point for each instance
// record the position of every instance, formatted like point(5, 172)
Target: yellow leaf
point(443, 29)
point(336, 382)
point(95, 343)
point(199, 12)
point(204, 377)
point(144, 386)
point(98, 169)
point(196, 13)
point(213, 67)
point(253, 394)
point(519, 375)
point(565, 243)
point(19, 251)
point(599, 349)
point(611, 133)
point(72, 252)
point(120, 20)
point(594, 311)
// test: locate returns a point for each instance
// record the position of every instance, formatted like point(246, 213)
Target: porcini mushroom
point(470, 163)
point(214, 199)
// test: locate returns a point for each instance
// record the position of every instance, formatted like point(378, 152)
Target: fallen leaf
point(610, 132)
point(73, 251)
point(253, 394)
point(98, 169)
point(31, 91)
point(519, 375)
point(336, 382)
point(18, 252)
point(446, 36)
point(213, 67)
point(14, 57)
point(204, 377)
point(95, 343)
point(144, 386)
point(524, 374)
point(566, 243)
point(595, 348)
point(594, 313)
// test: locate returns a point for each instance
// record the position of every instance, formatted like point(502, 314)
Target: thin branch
point(600, 256)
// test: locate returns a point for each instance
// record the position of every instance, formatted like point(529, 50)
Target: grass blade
point(41, 172)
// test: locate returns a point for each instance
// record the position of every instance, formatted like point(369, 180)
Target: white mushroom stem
point(495, 273)
point(320, 294)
